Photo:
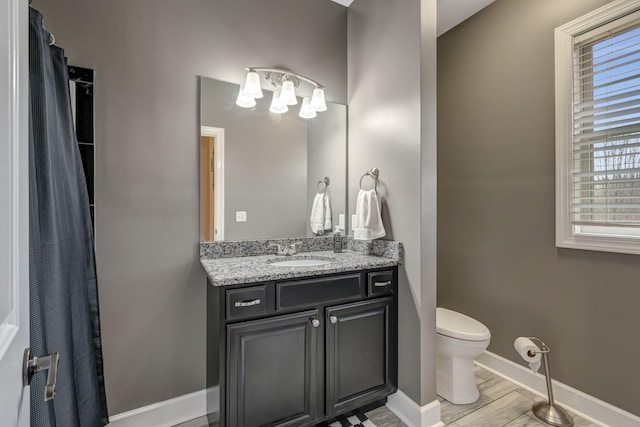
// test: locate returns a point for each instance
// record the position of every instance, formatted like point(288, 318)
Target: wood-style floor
point(501, 404)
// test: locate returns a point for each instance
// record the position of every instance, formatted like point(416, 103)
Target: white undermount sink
point(301, 262)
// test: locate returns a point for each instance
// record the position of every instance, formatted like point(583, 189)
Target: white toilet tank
point(457, 325)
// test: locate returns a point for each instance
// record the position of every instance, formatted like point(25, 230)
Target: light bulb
point(307, 111)
point(243, 100)
point(288, 93)
point(317, 100)
point(252, 86)
point(277, 107)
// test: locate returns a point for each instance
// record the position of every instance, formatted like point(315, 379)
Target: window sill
point(600, 243)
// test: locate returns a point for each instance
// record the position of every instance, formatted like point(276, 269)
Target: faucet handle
point(279, 249)
point(293, 248)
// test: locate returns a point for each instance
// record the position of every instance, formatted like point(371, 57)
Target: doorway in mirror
point(211, 183)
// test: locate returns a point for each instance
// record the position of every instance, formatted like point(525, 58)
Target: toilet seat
point(457, 325)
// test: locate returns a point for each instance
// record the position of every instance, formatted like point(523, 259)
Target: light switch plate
point(241, 216)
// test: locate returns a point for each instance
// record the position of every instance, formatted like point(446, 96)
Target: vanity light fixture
point(277, 107)
point(252, 85)
point(243, 100)
point(307, 111)
point(285, 83)
point(317, 100)
point(288, 93)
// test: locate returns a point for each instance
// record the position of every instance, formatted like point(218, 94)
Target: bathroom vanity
point(295, 346)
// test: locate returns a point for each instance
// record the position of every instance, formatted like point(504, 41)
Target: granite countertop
point(249, 269)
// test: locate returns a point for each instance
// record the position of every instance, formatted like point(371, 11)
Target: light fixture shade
point(288, 93)
point(252, 86)
point(317, 100)
point(243, 100)
point(277, 107)
point(307, 111)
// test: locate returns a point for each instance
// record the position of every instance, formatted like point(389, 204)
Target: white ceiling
point(453, 12)
point(450, 12)
point(344, 2)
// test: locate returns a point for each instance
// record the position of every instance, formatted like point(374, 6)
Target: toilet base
point(459, 340)
point(461, 388)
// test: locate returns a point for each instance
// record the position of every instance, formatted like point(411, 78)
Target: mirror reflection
point(262, 175)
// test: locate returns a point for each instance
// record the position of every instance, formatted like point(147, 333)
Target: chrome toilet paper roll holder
point(549, 412)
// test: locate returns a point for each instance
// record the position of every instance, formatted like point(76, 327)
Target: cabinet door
point(359, 358)
point(271, 371)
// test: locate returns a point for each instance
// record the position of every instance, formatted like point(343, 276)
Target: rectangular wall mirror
point(260, 172)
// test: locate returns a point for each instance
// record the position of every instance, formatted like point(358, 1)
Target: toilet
point(459, 340)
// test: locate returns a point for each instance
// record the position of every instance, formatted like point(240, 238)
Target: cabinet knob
point(333, 319)
point(315, 323)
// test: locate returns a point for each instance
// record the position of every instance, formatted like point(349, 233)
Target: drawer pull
point(247, 303)
point(382, 284)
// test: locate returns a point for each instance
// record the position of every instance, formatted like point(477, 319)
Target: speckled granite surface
point(249, 269)
point(383, 248)
point(244, 248)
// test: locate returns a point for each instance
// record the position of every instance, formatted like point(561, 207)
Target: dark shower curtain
point(64, 291)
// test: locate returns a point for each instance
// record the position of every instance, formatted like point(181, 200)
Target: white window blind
point(605, 172)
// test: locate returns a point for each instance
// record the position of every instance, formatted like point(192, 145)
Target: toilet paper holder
point(545, 348)
point(549, 412)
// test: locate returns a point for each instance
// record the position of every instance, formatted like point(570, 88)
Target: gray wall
point(385, 118)
point(497, 259)
point(265, 158)
point(428, 197)
point(327, 156)
point(147, 55)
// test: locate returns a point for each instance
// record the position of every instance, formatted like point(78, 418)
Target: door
point(359, 362)
point(14, 214)
point(211, 183)
point(271, 371)
point(207, 189)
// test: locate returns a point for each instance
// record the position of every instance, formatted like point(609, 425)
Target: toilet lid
point(457, 325)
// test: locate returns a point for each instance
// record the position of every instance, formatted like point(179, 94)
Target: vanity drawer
point(245, 302)
point(301, 293)
point(380, 282)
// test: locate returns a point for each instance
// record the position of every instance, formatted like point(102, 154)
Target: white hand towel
point(327, 212)
point(320, 213)
point(368, 222)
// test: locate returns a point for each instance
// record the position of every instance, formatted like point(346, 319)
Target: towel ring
point(325, 183)
point(373, 174)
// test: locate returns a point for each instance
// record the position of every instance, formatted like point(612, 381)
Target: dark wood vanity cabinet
point(272, 370)
point(302, 351)
point(359, 360)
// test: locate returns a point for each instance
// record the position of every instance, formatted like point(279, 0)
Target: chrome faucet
point(284, 250)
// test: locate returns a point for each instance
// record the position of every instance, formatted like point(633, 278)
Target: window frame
point(566, 237)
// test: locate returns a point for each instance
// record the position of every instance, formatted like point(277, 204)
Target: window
point(598, 130)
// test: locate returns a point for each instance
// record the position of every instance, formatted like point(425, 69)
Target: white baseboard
point(168, 413)
point(583, 405)
point(413, 415)
point(194, 405)
point(213, 400)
